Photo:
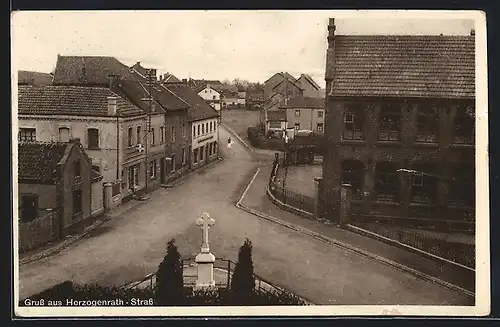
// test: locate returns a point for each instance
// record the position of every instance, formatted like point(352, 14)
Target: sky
point(251, 45)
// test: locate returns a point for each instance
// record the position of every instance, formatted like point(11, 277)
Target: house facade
point(95, 115)
point(309, 87)
point(55, 189)
point(305, 113)
point(203, 128)
point(404, 145)
point(276, 123)
point(211, 96)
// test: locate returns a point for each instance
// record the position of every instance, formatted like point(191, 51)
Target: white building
point(211, 96)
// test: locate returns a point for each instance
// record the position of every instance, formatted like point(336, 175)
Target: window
point(213, 98)
point(133, 177)
point(93, 138)
point(461, 187)
point(387, 182)
point(206, 127)
point(215, 147)
point(320, 113)
point(184, 130)
point(390, 123)
point(353, 122)
point(63, 134)
point(195, 155)
point(274, 124)
point(96, 168)
point(424, 184)
point(202, 128)
point(162, 134)
point(201, 153)
point(130, 136)
point(194, 131)
point(29, 207)
point(319, 127)
point(183, 156)
point(138, 135)
point(27, 134)
point(173, 163)
point(76, 168)
point(297, 113)
point(211, 126)
point(199, 127)
point(297, 126)
point(427, 125)
point(77, 202)
point(464, 124)
point(172, 134)
point(152, 136)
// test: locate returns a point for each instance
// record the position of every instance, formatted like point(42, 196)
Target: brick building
point(400, 126)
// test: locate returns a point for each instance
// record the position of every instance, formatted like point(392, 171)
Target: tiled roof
point(291, 82)
point(137, 93)
point(37, 161)
point(284, 76)
point(89, 70)
point(69, 100)
point(169, 78)
point(33, 78)
point(198, 109)
point(276, 115)
point(305, 102)
point(310, 80)
point(403, 66)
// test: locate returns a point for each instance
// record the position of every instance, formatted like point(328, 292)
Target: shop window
point(387, 182)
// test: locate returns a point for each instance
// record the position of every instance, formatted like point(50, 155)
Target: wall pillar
point(108, 196)
point(369, 186)
point(345, 205)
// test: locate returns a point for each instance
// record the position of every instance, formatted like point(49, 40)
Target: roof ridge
point(175, 95)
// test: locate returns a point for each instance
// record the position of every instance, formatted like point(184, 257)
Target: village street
point(128, 247)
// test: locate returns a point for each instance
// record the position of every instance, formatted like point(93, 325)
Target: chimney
point(472, 32)
point(112, 106)
point(331, 32)
point(184, 80)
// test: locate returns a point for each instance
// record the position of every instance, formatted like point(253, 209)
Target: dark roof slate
point(198, 108)
point(403, 66)
point(89, 70)
point(37, 161)
point(33, 78)
point(70, 100)
point(305, 102)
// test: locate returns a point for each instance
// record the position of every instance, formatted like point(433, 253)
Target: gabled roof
point(169, 78)
point(202, 87)
point(33, 78)
point(403, 66)
point(198, 108)
point(37, 161)
point(310, 80)
point(143, 72)
point(275, 99)
point(138, 94)
point(291, 82)
point(89, 70)
point(69, 100)
point(306, 102)
point(283, 75)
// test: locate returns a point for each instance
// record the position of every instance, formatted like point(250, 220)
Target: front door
point(29, 207)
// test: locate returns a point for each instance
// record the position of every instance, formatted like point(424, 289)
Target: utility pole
point(149, 81)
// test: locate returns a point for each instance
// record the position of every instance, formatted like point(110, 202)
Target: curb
point(65, 244)
point(287, 207)
point(348, 247)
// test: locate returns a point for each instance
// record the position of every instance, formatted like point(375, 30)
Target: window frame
point(387, 182)
point(91, 146)
point(27, 134)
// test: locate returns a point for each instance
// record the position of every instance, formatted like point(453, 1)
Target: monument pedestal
point(205, 262)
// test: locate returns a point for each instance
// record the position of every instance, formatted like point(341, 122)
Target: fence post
point(345, 205)
point(316, 209)
point(108, 196)
point(228, 274)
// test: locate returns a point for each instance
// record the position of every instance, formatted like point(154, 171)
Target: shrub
point(243, 280)
point(169, 279)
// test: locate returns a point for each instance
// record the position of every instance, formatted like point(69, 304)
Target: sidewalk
point(94, 223)
point(256, 199)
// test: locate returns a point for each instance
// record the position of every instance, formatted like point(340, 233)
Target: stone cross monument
point(205, 260)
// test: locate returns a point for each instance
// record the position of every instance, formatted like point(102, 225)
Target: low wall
point(38, 231)
point(97, 200)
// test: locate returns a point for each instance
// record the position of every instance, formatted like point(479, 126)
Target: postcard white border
point(482, 296)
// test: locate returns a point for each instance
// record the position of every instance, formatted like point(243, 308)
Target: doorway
point(29, 207)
